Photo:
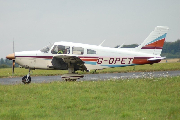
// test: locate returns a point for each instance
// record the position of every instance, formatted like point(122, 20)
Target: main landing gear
point(27, 79)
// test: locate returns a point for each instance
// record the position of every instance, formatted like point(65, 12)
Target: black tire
point(26, 80)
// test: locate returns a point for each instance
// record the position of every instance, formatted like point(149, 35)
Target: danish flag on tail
point(153, 44)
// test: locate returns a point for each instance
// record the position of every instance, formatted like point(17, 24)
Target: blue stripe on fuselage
point(89, 62)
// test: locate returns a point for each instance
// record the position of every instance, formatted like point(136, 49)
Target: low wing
point(62, 62)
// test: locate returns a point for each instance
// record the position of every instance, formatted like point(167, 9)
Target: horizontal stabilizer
point(154, 59)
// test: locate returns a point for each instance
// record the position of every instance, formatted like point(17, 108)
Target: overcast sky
point(34, 23)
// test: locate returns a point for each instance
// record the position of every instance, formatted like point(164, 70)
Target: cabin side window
point(78, 50)
point(90, 51)
point(60, 49)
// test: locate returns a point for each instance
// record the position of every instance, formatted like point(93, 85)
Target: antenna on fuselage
point(121, 46)
point(102, 43)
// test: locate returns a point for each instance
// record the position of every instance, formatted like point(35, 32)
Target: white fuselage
point(94, 57)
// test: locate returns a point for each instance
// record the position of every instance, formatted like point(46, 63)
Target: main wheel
point(26, 80)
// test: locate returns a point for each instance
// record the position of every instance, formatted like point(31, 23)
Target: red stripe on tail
point(155, 45)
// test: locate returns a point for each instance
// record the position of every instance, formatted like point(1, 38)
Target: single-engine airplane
point(77, 56)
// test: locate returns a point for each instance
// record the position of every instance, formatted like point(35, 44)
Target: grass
point(144, 68)
point(7, 72)
point(156, 98)
point(138, 68)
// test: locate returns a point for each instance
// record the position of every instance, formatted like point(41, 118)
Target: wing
point(62, 62)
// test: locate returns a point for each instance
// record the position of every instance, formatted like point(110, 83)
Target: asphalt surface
point(94, 77)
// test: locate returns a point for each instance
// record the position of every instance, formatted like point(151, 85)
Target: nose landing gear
point(27, 79)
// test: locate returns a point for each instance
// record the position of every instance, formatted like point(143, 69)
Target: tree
point(5, 63)
point(2, 61)
point(171, 49)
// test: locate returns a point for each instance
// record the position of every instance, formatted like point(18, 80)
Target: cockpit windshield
point(46, 49)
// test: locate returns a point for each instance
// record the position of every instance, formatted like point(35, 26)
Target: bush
point(4, 66)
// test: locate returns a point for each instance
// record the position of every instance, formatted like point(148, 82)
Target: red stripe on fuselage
point(85, 59)
point(45, 57)
point(143, 60)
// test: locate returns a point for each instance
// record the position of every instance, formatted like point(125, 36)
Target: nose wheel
point(27, 79)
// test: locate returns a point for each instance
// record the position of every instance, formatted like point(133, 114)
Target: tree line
point(170, 50)
point(5, 63)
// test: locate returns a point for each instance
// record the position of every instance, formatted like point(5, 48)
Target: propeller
point(13, 65)
point(12, 57)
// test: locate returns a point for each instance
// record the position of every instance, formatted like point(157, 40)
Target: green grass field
point(138, 68)
point(137, 99)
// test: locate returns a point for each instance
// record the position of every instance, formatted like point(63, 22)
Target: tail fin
point(153, 44)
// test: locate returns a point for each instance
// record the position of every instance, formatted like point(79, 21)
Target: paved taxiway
point(94, 77)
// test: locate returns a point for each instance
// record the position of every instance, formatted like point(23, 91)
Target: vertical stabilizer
point(153, 44)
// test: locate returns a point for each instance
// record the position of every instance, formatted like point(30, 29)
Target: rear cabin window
point(90, 51)
point(60, 49)
point(78, 50)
